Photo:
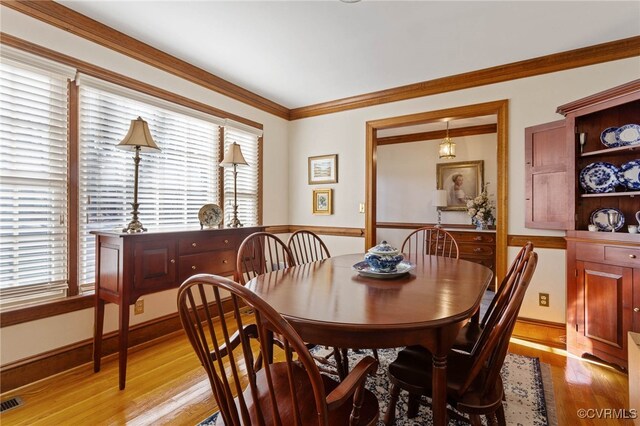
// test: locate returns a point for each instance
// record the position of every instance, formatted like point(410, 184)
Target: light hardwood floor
point(166, 385)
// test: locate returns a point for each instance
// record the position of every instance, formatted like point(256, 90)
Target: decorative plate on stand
point(629, 134)
point(600, 218)
point(600, 177)
point(210, 216)
point(608, 137)
point(629, 175)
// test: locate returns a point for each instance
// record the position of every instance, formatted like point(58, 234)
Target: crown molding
point(71, 21)
point(605, 52)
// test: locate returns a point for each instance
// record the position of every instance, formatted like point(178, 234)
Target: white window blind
point(173, 184)
point(33, 180)
point(248, 190)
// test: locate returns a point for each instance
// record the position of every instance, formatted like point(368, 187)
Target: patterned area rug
point(529, 401)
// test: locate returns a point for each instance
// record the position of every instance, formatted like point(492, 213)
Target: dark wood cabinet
point(601, 307)
point(603, 268)
point(131, 265)
point(478, 247)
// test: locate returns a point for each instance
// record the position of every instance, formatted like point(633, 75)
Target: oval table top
point(331, 295)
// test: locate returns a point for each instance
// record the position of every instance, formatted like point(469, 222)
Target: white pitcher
point(638, 217)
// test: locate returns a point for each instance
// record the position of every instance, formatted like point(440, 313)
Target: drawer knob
point(636, 309)
point(193, 267)
point(477, 250)
point(632, 256)
point(477, 238)
point(172, 261)
point(225, 261)
point(226, 241)
point(193, 244)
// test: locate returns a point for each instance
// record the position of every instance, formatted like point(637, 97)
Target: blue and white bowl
point(383, 257)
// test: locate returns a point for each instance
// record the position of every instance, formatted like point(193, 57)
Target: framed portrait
point(322, 201)
point(323, 169)
point(461, 180)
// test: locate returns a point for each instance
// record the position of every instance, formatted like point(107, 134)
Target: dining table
point(330, 303)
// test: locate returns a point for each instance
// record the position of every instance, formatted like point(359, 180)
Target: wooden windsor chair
point(288, 392)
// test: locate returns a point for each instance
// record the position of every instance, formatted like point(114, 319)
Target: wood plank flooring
point(166, 385)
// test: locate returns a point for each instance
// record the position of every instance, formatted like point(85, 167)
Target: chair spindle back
point(307, 247)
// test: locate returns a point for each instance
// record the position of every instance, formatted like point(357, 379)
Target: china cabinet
point(563, 192)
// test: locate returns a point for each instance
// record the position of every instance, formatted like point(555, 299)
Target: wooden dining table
point(329, 303)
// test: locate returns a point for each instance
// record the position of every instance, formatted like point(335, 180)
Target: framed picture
point(461, 180)
point(323, 169)
point(322, 201)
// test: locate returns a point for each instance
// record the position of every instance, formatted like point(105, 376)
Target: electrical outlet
point(361, 208)
point(543, 299)
point(138, 308)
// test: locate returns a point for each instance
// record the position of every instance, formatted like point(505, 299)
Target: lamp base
point(235, 222)
point(439, 224)
point(134, 226)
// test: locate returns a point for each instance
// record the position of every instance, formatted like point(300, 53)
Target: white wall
point(50, 333)
point(531, 101)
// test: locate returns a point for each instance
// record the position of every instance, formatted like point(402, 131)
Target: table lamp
point(233, 157)
point(137, 139)
point(440, 200)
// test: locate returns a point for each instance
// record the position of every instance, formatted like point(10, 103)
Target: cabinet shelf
point(616, 150)
point(611, 194)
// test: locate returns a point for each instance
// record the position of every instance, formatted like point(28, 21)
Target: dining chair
point(290, 391)
point(259, 253)
point(307, 247)
point(474, 385)
point(469, 336)
point(430, 240)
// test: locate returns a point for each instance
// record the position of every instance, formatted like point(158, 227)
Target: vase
point(482, 225)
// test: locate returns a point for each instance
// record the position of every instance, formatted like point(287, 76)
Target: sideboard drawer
point(476, 250)
point(199, 244)
point(216, 262)
point(622, 255)
point(590, 252)
point(474, 237)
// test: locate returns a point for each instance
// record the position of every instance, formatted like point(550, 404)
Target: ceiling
point(299, 53)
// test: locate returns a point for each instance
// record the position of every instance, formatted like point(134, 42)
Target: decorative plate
point(210, 215)
point(599, 177)
point(365, 270)
point(629, 175)
point(629, 134)
point(608, 137)
point(600, 219)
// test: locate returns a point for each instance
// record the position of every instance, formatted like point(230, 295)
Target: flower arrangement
point(481, 209)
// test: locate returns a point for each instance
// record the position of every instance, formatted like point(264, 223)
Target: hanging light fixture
point(447, 146)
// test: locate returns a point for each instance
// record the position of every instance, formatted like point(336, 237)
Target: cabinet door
point(549, 198)
point(155, 266)
point(603, 308)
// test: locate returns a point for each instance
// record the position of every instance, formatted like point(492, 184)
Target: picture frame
point(322, 201)
point(461, 180)
point(323, 169)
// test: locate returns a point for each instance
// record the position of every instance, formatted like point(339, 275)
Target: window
point(33, 179)
point(248, 176)
point(173, 184)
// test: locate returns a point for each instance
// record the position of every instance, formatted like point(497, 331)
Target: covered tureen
point(383, 257)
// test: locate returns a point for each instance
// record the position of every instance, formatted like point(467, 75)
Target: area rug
point(528, 391)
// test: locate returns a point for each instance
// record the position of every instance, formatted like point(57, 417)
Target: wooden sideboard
point(131, 265)
point(477, 246)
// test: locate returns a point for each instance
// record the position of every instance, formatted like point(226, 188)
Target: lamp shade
point(138, 136)
point(233, 156)
point(440, 198)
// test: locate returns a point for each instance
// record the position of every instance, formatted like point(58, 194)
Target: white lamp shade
point(233, 156)
point(138, 136)
point(440, 198)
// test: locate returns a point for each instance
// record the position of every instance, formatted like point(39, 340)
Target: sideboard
point(131, 265)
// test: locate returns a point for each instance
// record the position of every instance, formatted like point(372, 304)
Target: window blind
point(173, 184)
point(247, 186)
point(33, 182)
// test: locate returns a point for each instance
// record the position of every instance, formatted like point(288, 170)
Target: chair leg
point(500, 415)
point(475, 420)
point(337, 355)
point(390, 415)
point(375, 354)
point(491, 419)
point(414, 405)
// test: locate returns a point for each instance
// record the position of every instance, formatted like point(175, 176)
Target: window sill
point(45, 310)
